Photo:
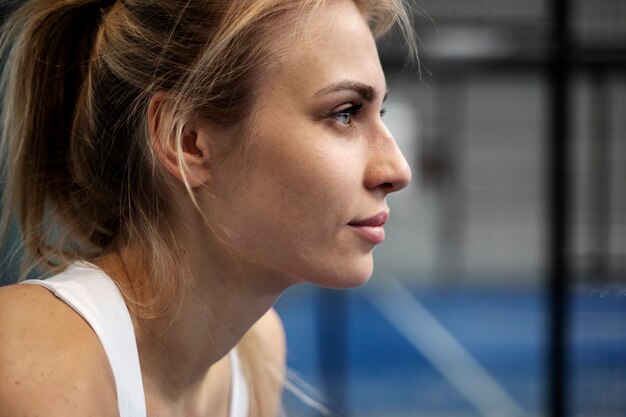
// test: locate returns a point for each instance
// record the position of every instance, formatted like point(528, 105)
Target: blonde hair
point(80, 173)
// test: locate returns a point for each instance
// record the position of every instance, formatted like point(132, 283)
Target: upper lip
point(376, 220)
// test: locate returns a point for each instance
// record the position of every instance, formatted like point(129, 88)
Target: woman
point(176, 165)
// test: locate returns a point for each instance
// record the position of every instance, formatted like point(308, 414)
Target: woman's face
point(309, 202)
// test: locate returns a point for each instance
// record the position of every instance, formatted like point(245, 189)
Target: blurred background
point(501, 288)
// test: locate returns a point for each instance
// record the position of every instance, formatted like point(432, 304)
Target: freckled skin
point(50, 359)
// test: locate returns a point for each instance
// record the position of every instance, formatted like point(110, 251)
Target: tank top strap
point(239, 395)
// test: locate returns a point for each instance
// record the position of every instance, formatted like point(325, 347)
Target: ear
point(191, 162)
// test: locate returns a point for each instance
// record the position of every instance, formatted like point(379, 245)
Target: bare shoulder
point(51, 361)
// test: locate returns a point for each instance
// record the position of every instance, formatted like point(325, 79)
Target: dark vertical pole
point(448, 153)
point(559, 199)
point(600, 181)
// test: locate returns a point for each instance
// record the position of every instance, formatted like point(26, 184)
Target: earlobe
point(184, 153)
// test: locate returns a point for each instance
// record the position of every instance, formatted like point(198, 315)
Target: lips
point(371, 229)
point(375, 221)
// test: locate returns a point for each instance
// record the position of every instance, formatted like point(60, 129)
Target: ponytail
point(47, 46)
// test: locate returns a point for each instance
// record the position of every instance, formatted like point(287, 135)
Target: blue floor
point(364, 366)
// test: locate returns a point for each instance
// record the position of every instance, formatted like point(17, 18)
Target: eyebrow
point(368, 92)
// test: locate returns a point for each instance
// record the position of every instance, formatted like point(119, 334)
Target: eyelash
point(346, 113)
point(349, 113)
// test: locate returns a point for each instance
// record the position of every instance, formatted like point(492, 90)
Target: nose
point(387, 169)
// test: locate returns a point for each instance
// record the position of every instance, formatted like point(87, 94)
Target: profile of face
point(309, 201)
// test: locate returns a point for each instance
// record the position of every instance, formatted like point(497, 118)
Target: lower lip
point(375, 234)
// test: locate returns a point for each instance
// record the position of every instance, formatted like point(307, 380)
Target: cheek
point(298, 194)
point(287, 209)
point(299, 171)
point(291, 206)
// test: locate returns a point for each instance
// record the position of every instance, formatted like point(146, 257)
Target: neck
point(220, 300)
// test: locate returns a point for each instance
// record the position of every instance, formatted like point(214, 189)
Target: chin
point(346, 276)
point(352, 282)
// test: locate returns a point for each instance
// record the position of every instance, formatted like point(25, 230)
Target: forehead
point(331, 44)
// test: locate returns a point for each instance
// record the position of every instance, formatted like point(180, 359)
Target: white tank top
point(94, 295)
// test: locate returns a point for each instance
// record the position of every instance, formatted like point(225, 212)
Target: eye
point(383, 112)
point(344, 116)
